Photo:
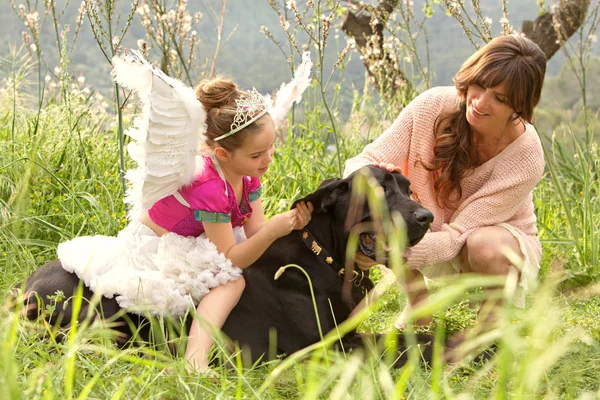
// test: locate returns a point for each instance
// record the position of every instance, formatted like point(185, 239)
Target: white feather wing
point(166, 137)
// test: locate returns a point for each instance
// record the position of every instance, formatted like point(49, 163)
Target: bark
point(549, 35)
point(366, 28)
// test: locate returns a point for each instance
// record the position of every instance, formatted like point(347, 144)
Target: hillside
point(246, 54)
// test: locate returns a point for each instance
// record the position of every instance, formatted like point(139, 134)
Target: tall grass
point(60, 178)
point(573, 165)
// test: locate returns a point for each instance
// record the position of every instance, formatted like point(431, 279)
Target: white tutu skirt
point(147, 273)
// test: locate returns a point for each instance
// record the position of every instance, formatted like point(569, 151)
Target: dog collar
point(326, 257)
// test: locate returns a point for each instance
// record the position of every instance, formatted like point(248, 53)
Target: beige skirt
point(529, 268)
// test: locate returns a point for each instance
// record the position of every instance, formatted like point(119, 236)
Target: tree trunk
point(366, 28)
point(551, 30)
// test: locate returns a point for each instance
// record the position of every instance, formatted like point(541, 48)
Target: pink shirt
point(499, 190)
point(211, 199)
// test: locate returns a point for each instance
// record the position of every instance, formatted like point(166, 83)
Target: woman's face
point(487, 109)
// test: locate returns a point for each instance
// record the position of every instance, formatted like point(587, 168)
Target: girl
point(218, 205)
point(473, 157)
point(191, 245)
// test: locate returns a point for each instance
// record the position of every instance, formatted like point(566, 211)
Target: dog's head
point(334, 198)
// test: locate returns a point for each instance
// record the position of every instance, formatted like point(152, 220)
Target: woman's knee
point(487, 250)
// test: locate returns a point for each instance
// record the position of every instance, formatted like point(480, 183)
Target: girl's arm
point(257, 220)
point(242, 255)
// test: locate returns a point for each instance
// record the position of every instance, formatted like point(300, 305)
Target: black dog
point(285, 304)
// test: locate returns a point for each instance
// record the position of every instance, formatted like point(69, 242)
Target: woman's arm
point(495, 202)
point(413, 128)
point(392, 146)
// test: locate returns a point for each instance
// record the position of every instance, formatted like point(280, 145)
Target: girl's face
point(487, 110)
point(255, 154)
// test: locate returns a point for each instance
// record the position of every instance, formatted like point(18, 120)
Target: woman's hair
point(513, 60)
point(218, 96)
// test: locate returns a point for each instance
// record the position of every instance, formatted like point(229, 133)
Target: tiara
point(250, 108)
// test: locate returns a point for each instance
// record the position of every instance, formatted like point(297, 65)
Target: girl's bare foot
point(196, 368)
point(201, 369)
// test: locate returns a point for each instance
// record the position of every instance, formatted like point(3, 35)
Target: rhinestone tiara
point(250, 108)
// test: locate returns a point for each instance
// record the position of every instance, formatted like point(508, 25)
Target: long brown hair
point(218, 96)
point(513, 60)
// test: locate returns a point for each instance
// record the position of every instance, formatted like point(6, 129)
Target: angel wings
point(170, 132)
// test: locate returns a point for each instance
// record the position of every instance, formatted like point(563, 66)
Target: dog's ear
point(327, 194)
point(328, 181)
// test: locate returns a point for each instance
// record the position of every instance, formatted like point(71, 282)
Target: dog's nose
point(423, 216)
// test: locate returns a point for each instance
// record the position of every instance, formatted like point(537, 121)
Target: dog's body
point(285, 305)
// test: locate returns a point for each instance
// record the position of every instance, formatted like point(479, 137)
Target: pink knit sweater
point(500, 190)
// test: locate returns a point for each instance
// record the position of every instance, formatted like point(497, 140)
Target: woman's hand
point(388, 167)
point(364, 262)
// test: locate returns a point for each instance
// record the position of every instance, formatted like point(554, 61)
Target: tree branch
point(551, 30)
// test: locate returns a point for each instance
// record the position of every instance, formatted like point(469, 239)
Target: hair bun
point(216, 92)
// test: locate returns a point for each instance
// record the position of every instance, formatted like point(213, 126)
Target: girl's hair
point(218, 96)
point(513, 60)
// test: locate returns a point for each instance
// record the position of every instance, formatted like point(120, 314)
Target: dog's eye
point(410, 192)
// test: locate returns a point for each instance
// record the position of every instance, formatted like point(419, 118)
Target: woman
point(473, 159)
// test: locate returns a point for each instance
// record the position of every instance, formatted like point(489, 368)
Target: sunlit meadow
point(61, 161)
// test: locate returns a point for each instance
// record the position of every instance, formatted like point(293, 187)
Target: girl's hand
point(388, 167)
point(304, 213)
point(282, 224)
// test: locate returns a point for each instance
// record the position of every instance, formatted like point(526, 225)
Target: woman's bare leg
point(416, 293)
point(486, 253)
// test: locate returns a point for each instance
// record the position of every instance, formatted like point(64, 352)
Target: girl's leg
point(213, 309)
